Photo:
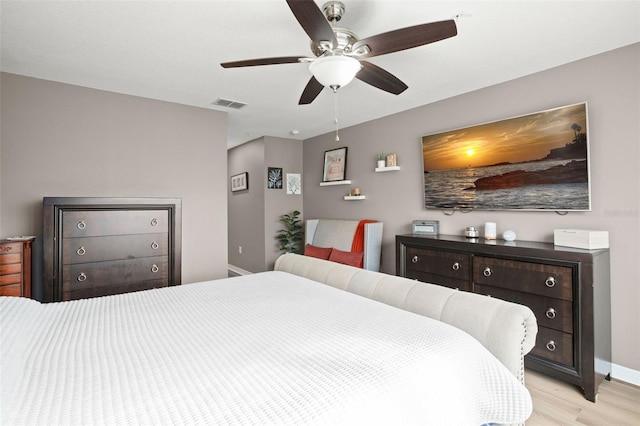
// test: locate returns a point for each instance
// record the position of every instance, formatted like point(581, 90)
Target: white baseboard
point(237, 270)
point(625, 374)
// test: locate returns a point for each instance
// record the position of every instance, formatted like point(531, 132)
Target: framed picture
point(274, 178)
point(240, 182)
point(294, 184)
point(391, 160)
point(335, 165)
point(538, 161)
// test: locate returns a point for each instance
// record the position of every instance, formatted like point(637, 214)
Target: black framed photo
point(335, 165)
point(274, 177)
point(240, 182)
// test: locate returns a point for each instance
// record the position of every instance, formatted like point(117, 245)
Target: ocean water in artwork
point(454, 188)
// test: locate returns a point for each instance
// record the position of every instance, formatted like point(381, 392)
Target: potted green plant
point(290, 238)
point(381, 157)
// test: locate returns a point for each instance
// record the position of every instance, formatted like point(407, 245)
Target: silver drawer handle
point(455, 266)
point(550, 282)
point(82, 277)
point(551, 345)
point(487, 272)
point(81, 251)
point(154, 245)
point(154, 268)
point(81, 225)
point(154, 221)
point(551, 313)
point(414, 259)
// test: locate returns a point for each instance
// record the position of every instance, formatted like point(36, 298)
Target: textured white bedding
point(269, 348)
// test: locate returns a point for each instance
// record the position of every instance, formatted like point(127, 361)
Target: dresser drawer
point(10, 279)
point(538, 278)
point(441, 263)
point(11, 290)
point(554, 345)
point(552, 313)
point(454, 283)
point(91, 223)
point(111, 273)
point(7, 259)
point(12, 268)
point(85, 293)
point(10, 249)
point(113, 247)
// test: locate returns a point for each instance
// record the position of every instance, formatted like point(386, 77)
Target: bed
point(298, 345)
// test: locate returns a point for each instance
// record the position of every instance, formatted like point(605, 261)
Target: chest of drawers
point(95, 247)
point(15, 268)
point(567, 289)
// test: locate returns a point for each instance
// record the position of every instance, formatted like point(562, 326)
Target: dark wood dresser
point(101, 246)
point(567, 289)
point(15, 267)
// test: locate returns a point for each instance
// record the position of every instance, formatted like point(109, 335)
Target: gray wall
point(254, 214)
point(63, 140)
point(608, 82)
point(246, 208)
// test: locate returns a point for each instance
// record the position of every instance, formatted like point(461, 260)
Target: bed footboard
point(506, 329)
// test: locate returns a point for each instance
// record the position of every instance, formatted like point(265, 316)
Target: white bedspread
point(269, 348)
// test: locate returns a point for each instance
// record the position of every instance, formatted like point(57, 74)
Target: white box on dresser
point(581, 238)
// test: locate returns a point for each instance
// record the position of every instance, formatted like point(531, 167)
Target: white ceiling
point(171, 51)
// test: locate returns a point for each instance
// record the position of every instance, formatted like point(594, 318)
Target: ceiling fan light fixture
point(335, 71)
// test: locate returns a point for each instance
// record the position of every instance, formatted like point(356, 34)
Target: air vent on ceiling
point(228, 103)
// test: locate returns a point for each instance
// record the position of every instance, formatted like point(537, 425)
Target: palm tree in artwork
point(576, 129)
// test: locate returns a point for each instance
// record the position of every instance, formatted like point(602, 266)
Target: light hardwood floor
point(558, 403)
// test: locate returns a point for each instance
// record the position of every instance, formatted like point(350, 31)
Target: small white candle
point(490, 231)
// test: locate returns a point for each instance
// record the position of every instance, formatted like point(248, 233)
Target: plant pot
point(381, 164)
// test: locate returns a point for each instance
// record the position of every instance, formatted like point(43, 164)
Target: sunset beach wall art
point(537, 161)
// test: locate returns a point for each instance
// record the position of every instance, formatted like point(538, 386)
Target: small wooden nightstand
point(15, 267)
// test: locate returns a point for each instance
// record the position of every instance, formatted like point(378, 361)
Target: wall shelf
point(336, 182)
point(387, 169)
point(354, 197)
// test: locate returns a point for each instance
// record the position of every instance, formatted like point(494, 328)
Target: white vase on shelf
point(381, 164)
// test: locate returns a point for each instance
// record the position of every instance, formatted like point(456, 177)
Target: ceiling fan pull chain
point(335, 109)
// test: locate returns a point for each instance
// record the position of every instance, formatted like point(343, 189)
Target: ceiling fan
point(339, 54)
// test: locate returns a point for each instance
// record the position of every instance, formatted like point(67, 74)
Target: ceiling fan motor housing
point(345, 38)
point(333, 10)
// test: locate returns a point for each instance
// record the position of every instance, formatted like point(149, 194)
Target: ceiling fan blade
point(265, 61)
point(312, 20)
point(406, 38)
point(313, 89)
point(378, 77)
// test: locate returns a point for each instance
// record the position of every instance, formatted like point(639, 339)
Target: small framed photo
point(240, 182)
point(294, 184)
point(392, 160)
point(335, 165)
point(274, 177)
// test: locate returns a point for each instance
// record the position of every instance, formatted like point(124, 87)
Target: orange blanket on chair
point(357, 245)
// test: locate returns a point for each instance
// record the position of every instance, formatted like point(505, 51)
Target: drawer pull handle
point(455, 266)
point(551, 345)
point(550, 282)
point(81, 225)
point(82, 277)
point(154, 221)
point(414, 259)
point(487, 272)
point(551, 313)
point(81, 251)
point(154, 245)
point(154, 268)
